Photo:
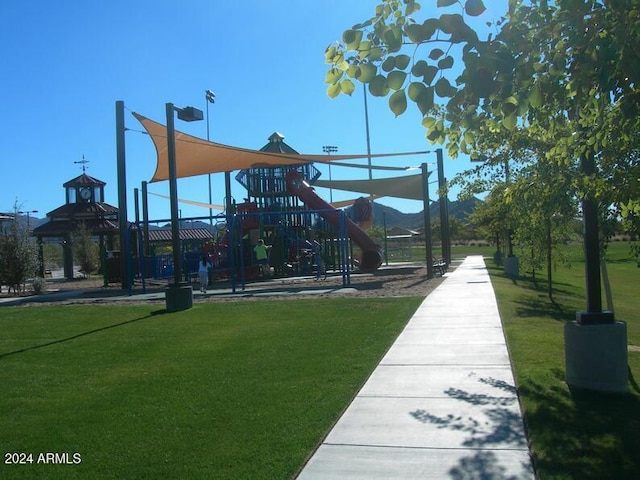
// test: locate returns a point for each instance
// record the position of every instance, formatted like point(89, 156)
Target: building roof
point(83, 209)
point(277, 145)
point(59, 228)
point(164, 234)
point(84, 180)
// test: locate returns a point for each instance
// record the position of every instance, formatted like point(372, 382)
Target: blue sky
point(66, 63)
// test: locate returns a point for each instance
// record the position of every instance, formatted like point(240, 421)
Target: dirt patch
point(392, 281)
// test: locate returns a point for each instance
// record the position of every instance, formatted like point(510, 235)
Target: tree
point(493, 219)
point(18, 254)
point(543, 205)
point(86, 251)
point(568, 70)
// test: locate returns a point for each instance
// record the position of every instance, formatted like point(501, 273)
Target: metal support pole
point(173, 195)
point(122, 194)
point(366, 122)
point(145, 218)
point(444, 210)
point(427, 221)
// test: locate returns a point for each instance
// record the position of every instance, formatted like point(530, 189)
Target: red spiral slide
point(371, 252)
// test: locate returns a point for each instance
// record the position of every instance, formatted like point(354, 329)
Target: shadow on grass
point(582, 434)
point(527, 307)
point(499, 427)
point(83, 334)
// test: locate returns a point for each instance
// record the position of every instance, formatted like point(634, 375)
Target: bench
point(439, 266)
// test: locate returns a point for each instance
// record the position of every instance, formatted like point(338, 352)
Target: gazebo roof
point(84, 180)
point(55, 228)
point(92, 209)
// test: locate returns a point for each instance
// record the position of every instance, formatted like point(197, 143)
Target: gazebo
point(84, 205)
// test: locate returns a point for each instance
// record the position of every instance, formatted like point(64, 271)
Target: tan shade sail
point(212, 206)
point(409, 187)
point(195, 156)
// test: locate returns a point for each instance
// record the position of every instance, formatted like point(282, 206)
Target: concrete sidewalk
point(442, 402)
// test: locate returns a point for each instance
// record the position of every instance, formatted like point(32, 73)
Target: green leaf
point(510, 122)
point(329, 53)
point(474, 7)
point(402, 61)
point(353, 71)
point(334, 90)
point(415, 89)
point(378, 86)
point(469, 138)
point(347, 87)
point(535, 96)
point(396, 79)
point(426, 100)
point(367, 72)
point(364, 49)
point(393, 38)
point(445, 3)
point(443, 88)
point(445, 63)
point(418, 68)
point(348, 36)
point(354, 37)
point(389, 64)
point(412, 7)
point(413, 32)
point(398, 102)
point(509, 106)
point(430, 73)
point(428, 122)
point(434, 135)
point(428, 28)
point(333, 76)
point(375, 53)
point(436, 53)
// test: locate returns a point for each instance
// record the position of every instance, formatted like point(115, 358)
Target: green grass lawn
point(573, 435)
point(223, 390)
point(248, 389)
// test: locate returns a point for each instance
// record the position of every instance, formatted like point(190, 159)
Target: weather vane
point(83, 162)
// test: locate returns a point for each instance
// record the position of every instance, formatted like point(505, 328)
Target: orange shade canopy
point(195, 156)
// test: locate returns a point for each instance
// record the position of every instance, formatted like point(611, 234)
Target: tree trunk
point(549, 265)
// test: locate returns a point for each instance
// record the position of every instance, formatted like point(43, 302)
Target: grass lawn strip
point(233, 390)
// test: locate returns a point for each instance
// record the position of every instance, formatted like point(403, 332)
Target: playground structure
point(289, 215)
point(305, 235)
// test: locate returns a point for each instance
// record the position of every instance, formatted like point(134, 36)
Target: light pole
point(28, 213)
point(366, 124)
point(210, 98)
point(329, 149)
point(179, 295)
point(123, 223)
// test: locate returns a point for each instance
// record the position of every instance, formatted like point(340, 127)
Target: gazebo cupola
point(84, 189)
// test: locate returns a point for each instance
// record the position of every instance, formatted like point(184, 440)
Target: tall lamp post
point(329, 149)
point(179, 295)
point(210, 97)
point(28, 213)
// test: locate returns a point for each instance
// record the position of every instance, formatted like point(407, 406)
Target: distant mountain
point(395, 218)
